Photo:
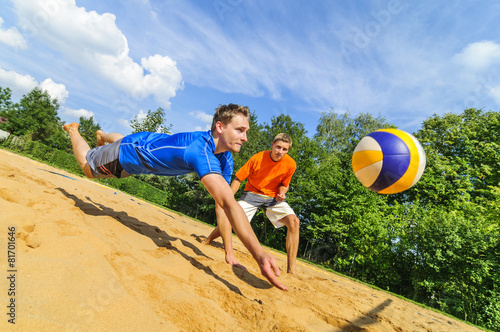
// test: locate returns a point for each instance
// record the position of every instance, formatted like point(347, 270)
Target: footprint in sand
point(28, 236)
point(12, 196)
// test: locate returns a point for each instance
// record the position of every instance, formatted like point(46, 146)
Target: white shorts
point(274, 213)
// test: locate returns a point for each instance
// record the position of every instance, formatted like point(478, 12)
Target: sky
point(402, 60)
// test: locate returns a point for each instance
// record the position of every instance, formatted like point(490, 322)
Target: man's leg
point(103, 138)
point(80, 147)
point(249, 211)
point(292, 224)
point(215, 234)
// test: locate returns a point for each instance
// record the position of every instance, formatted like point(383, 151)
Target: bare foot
point(69, 127)
point(207, 241)
point(100, 138)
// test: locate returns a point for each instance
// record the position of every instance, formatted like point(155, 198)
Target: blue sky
point(403, 60)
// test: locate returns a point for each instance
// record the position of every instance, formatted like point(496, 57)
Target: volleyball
point(388, 161)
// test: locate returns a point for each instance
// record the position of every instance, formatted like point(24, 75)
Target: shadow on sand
point(157, 235)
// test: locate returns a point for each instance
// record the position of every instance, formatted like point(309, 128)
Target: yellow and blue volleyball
point(388, 161)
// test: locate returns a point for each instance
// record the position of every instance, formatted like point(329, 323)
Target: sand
point(91, 258)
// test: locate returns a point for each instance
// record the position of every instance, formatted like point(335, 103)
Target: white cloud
point(479, 55)
point(55, 90)
point(94, 42)
point(479, 65)
point(23, 84)
point(141, 115)
point(124, 123)
point(227, 57)
point(495, 94)
point(78, 113)
point(163, 79)
point(204, 117)
point(19, 84)
point(12, 37)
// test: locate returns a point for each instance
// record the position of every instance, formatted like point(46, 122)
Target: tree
point(449, 234)
point(35, 118)
point(341, 132)
point(88, 130)
point(5, 105)
point(5, 95)
point(153, 122)
point(452, 261)
point(463, 152)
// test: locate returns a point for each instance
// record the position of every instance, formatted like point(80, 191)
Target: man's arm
point(235, 185)
point(285, 183)
point(225, 229)
point(281, 195)
point(224, 198)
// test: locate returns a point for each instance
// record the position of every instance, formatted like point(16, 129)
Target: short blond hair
point(283, 137)
point(225, 113)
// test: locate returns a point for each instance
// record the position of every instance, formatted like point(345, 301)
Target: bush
point(137, 188)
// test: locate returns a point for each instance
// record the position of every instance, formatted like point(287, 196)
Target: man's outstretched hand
point(231, 260)
point(270, 270)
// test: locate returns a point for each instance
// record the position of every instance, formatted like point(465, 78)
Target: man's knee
point(293, 222)
point(296, 222)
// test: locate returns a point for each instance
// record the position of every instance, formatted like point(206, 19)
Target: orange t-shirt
point(265, 175)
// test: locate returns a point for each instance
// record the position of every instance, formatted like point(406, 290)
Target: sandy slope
point(89, 258)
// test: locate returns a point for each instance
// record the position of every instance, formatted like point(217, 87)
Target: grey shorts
point(104, 163)
point(275, 211)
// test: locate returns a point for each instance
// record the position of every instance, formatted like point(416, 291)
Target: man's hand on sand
point(231, 260)
point(270, 270)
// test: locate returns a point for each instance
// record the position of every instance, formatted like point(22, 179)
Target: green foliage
point(463, 152)
point(341, 133)
point(452, 260)
point(35, 118)
point(5, 102)
point(489, 317)
point(184, 194)
point(46, 153)
point(153, 122)
point(435, 243)
point(139, 189)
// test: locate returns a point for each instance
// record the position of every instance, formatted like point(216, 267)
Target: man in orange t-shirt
point(269, 174)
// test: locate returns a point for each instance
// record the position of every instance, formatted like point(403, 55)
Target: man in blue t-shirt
point(206, 153)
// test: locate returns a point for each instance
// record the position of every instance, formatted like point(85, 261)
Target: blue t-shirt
point(182, 153)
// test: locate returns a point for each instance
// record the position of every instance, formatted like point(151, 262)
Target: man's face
point(234, 134)
point(279, 149)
